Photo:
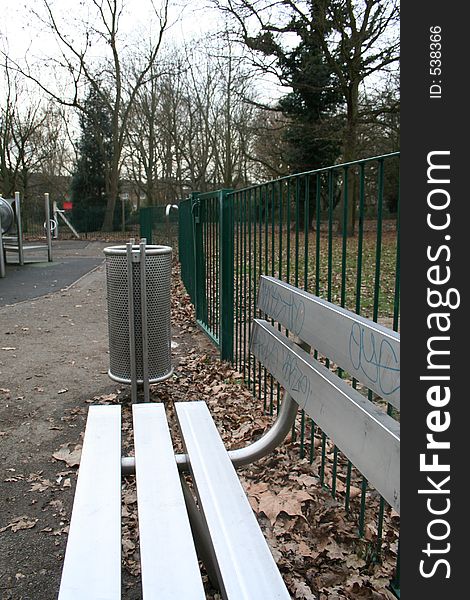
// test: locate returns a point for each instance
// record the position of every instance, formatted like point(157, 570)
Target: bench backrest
point(367, 351)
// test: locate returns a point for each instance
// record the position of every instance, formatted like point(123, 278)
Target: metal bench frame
point(220, 526)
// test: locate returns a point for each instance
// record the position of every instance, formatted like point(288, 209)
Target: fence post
point(146, 223)
point(226, 275)
point(199, 262)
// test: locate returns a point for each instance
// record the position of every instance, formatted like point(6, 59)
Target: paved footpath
point(71, 260)
point(53, 358)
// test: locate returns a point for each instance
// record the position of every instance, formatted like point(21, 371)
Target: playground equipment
point(57, 212)
point(7, 217)
point(10, 216)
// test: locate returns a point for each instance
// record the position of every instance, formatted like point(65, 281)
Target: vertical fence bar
point(146, 216)
point(239, 283)
point(255, 270)
point(378, 249)
point(211, 281)
point(395, 584)
point(273, 254)
point(226, 274)
point(199, 259)
point(244, 298)
point(344, 248)
point(250, 279)
point(266, 270)
point(362, 512)
point(288, 217)
point(396, 296)
point(297, 227)
point(312, 442)
point(306, 229)
point(260, 270)
point(216, 229)
point(236, 234)
point(318, 237)
point(330, 234)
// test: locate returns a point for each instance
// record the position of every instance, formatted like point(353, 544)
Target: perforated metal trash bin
point(158, 330)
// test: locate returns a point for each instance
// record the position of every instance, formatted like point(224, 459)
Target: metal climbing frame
point(15, 242)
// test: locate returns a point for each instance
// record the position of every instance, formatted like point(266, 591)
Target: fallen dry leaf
point(19, 523)
point(288, 501)
point(41, 486)
point(334, 551)
point(70, 457)
point(302, 591)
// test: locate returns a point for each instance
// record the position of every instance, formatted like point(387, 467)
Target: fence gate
point(207, 263)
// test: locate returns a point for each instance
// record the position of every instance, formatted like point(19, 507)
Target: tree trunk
point(111, 200)
point(349, 155)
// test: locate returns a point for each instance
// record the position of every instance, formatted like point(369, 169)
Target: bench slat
point(92, 564)
point(245, 563)
point(366, 350)
point(170, 567)
point(362, 431)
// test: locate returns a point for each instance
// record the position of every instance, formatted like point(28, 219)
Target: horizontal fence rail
point(333, 232)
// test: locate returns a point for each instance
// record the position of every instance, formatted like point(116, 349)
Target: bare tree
point(21, 121)
point(191, 127)
point(223, 95)
point(78, 68)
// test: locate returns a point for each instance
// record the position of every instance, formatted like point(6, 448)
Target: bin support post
point(130, 304)
point(143, 304)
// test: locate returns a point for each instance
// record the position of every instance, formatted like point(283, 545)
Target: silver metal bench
point(367, 351)
point(226, 529)
point(220, 526)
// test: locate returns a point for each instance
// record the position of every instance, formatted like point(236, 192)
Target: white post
point(47, 209)
point(19, 228)
point(2, 255)
point(54, 216)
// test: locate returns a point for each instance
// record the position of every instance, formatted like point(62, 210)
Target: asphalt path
point(36, 278)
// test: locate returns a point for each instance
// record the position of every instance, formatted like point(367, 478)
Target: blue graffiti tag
point(377, 364)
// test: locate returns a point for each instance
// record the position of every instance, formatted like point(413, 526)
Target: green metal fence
point(333, 232)
point(87, 222)
point(294, 228)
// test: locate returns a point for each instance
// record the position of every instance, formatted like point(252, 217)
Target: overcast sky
point(23, 35)
point(21, 32)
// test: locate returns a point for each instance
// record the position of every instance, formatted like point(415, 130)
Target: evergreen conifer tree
point(89, 188)
point(313, 133)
